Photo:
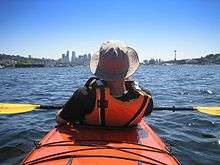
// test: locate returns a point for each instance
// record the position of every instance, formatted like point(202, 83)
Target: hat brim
point(133, 61)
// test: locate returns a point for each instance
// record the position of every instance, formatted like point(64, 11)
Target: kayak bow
point(83, 145)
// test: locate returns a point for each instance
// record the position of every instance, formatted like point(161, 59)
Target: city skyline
point(154, 28)
point(75, 59)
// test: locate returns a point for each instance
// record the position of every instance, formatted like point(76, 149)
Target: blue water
point(193, 137)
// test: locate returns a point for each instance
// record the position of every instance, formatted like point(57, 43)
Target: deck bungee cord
point(92, 156)
point(98, 147)
point(62, 143)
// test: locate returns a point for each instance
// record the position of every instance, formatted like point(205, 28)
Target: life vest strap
point(137, 113)
point(104, 115)
point(102, 103)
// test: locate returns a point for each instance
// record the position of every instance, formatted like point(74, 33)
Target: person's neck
point(117, 88)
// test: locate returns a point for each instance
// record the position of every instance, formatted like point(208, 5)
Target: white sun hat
point(114, 61)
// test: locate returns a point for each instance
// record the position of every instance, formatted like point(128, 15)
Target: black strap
point(137, 113)
point(102, 104)
point(88, 83)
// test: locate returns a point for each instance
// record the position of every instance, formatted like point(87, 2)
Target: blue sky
point(155, 28)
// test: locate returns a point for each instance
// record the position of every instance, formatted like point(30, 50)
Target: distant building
point(67, 57)
point(89, 56)
point(80, 60)
point(63, 58)
point(73, 59)
point(152, 61)
point(192, 61)
point(174, 55)
point(145, 62)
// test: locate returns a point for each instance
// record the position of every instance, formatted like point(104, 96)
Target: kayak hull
point(83, 145)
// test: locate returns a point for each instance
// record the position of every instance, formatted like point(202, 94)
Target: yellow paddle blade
point(209, 110)
point(17, 108)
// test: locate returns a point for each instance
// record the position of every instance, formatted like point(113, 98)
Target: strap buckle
point(103, 104)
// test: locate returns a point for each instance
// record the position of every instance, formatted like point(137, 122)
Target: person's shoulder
point(86, 89)
point(136, 87)
point(95, 82)
point(82, 91)
point(90, 82)
point(146, 92)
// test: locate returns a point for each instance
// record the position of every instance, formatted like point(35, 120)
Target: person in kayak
point(110, 98)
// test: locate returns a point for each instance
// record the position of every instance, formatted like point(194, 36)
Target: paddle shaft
point(6, 108)
point(50, 107)
point(174, 108)
point(155, 108)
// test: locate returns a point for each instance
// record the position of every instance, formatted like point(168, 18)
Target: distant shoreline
point(207, 60)
point(142, 64)
point(11, 61)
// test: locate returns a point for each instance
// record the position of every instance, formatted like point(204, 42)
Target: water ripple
point(193, 137)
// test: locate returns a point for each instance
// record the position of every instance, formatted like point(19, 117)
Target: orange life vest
point(109, 111)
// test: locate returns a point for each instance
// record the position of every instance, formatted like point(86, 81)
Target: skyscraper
point(89, 56)
point(73, 57)
point(67, 57)
point(63, 58)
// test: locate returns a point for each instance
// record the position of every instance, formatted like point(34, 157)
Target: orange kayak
point(83, 145)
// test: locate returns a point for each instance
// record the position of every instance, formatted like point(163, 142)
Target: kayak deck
point(89, 145)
